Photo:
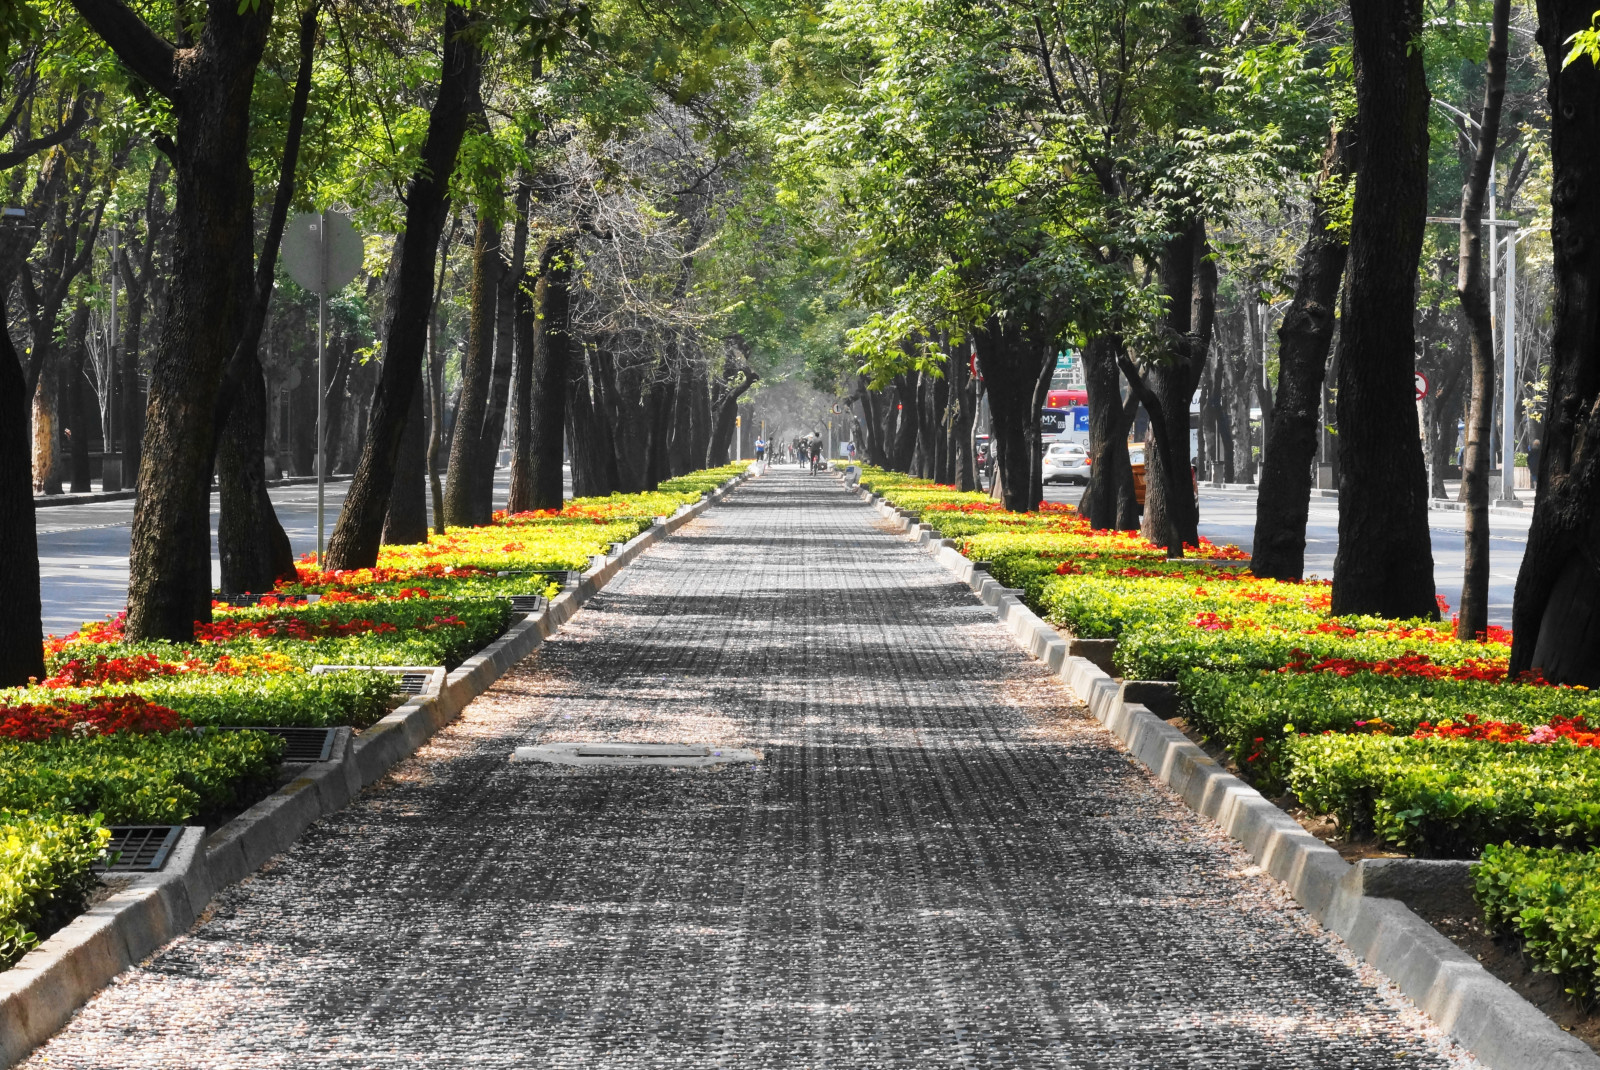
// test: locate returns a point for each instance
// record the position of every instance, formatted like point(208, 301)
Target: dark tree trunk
point(210, 86)
point(47, 429)
point(356, 539)
point(494, 418)
point(80, 416)
point(1472, 287)
point(21, 625)
point(660, 408)
point(904, 440)
point(1011, 361)
point(1041, 393)
point(549, 373)
point(1279, 549)
point(251, 544)
point(407, 519)
point(251, 560)
point(434, 370)
point(1171, 516)
point(1108, 501)
point(463, 506)
point(594, 463)
point(727, 410)
point(964, 397)
point(1554, 617)
point(1384, 564)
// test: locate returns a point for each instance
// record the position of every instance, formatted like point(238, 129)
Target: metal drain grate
point(139, 848)
point(300, 745)
point(527, 603)
point(661, 755)
point(413, 683)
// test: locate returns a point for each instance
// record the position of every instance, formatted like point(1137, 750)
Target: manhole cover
point(673, 755)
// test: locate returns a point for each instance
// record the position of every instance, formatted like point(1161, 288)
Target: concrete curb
point(1481, 1012)
point(46, 987)
point(45, 501)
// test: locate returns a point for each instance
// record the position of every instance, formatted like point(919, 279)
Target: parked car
point(1065, 462)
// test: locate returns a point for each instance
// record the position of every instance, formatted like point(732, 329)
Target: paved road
point(1230, 516)
point(83, 549)
point(941, 861)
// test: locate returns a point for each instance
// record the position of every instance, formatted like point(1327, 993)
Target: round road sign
point(322, 266)
point(1421, 384)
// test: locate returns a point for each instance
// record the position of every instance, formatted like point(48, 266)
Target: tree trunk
point(1011, 362)
point(593, 462)
point(1283, 503)
point(512, 276)
point(1554, 619)
point(79, 415)
point(47, 430)
point(1384, 564)
point(1171, 517)
point(21, 627)
point(549, 372)
point(1472, 287)
point(407, 519)
point(356, 539)
point(251, 544)
point(1108, 501)
point(251, 560)
point(1041, 393)
point(462, 505)
point(210, 86)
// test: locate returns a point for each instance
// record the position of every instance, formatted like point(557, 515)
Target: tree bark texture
point(407, 519)
point(252, 546)
point(550, 371)
point(1012, 359)
point(1556, 613)
point(1108, 501)
point(1384, 564)
point(1472, 287)
point(21, 626)
point(360, 529)
point(1304, 336)
point(463, 505)
point(209, 85)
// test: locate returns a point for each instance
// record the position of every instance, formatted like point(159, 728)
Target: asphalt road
point(83, 549)
point(1229, 516)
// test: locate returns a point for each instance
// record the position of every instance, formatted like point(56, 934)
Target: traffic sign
point(838, 410)
point(322, 267)
point(1421, 384)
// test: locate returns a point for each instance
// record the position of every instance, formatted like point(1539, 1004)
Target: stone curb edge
point(97, 497)
point(47, 985)
point(1482, 1013)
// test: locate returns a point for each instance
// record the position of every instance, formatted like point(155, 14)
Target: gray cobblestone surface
point(940, 861)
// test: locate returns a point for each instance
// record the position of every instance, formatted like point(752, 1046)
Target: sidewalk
point(940, 861)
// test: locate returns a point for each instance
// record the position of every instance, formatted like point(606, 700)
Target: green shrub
point(44, 874)
point(1551, 899)
point(1447, 797)
point(158, 779)
point(282, 699)
point(1248, 712)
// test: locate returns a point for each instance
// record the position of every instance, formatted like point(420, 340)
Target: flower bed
point(1406, 733)
point(124, 732)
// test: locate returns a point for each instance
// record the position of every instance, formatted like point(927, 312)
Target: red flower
point(103, 715)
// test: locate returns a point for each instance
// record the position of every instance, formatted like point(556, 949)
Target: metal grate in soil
point(139, 848)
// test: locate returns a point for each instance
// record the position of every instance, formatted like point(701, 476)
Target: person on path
point(761, 449)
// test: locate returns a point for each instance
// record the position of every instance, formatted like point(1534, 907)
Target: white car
point(1066, 462)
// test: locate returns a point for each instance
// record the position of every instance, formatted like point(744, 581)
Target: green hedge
point(290, 699)
point(158, 779)
point(1551, 899)
point(44, 874)
point(1448, 798)
point(1248, 712)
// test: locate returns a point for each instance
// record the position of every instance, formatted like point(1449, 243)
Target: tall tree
point(1283, 502)
point(1553, 616)
point(1384, 565)
point(208, 86)
point(1472, 286)
point(359, 532)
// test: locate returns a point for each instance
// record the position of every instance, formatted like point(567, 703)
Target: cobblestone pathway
point(940, 862)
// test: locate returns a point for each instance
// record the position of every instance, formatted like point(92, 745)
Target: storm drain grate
point(664, 755)
point(139, 848)
point(527, 603)
point(300, 745)
point(413, 683)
